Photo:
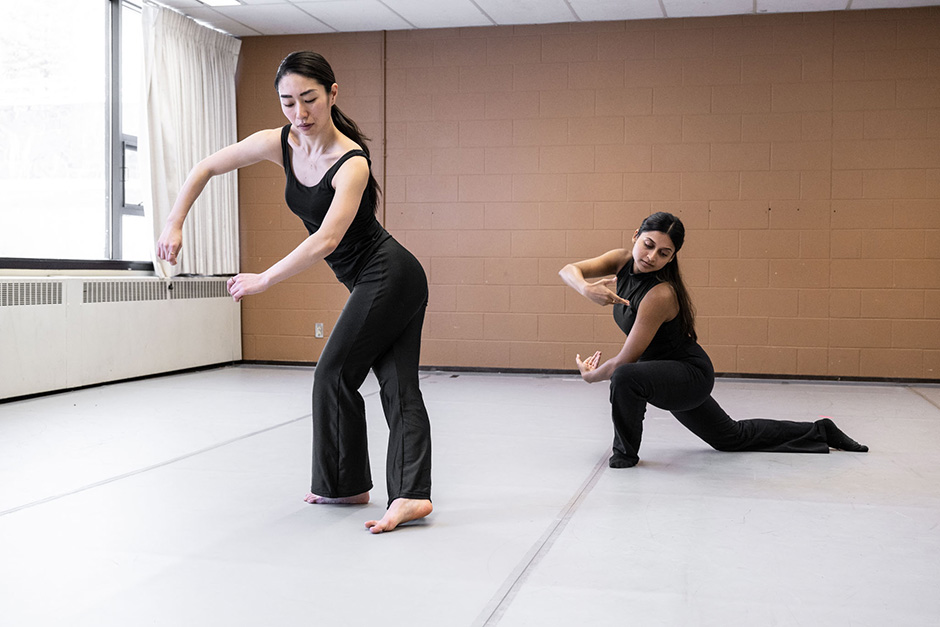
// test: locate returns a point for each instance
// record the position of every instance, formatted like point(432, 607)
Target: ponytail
point(670, 274)
point(348, 127)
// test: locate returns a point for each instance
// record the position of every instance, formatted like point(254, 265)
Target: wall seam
point(832, 117)
point(384, 123)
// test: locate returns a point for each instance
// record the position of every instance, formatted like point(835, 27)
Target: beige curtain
point(189, 96)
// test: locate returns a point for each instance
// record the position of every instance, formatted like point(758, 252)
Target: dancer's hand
point(242, 285)
point(588, 365)
point(602, 292)
point(170, 243)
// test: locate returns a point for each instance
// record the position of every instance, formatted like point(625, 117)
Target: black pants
point(683, 387)
point(379, 328)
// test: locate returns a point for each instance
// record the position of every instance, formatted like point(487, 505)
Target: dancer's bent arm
point(602, 291)
point(659, 306)
point(350, 183)
point(261, 146)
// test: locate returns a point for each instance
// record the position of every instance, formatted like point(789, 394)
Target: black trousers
point(683, 387)
point(379, 328)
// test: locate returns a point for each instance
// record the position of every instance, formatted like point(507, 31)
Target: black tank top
point(634, 287)
point(310, 204)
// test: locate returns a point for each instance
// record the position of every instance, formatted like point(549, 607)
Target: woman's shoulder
point(271, 134)
point(348, 152)
point(662, 297)
point(267, 141)
point(663, 289)
point(259, 146)
point(617, 260)
point(351, 167)
point(342, 149)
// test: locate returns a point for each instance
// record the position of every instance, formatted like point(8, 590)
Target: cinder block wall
point(802, 151)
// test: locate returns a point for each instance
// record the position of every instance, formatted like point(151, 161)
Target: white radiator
point(66, 332)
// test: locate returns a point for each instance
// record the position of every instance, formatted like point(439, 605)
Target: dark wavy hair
point(312, 65)
point(672, 226)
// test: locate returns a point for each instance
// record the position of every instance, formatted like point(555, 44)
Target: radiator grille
point(211, 288)
point(122, 291)
point(111, 291)
point(23, 293)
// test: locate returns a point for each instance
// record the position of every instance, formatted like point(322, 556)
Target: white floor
point(176, 501)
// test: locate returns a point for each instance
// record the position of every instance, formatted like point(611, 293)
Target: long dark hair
point(312, 65)
point(672, 226)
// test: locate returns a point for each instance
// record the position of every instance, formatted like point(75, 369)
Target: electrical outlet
point(318, 330)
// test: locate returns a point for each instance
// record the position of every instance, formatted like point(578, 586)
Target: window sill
point(44, 267)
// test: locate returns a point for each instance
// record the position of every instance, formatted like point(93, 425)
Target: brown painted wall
point(802, 151)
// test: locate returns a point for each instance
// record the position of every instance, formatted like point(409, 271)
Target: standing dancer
point(661, 362)
point(331, 188)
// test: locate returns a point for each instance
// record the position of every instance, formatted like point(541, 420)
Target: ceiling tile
point(703, 8)
point(210, 17)
point(438, 13)
point(355, 15)
point(800, 6)
point(182, 4)
point(603, 10)
point(527, 11)
point(275, 19)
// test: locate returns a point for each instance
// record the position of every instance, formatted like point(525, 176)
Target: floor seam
point(503, 598)
point(924, 396)
point(140, 471)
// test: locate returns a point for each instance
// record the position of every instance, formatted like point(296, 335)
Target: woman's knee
point(621, 376)
point(713, 426)
point(322, 375)
point(333, 373)
point(328, 365)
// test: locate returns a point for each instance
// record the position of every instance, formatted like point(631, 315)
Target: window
point(69, 100)
point(130, 235)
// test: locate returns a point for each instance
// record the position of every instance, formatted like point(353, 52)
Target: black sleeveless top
point(310, 204)
point(634, 287)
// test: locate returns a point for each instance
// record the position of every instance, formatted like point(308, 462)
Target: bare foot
point(358, 499)
point(400, 511)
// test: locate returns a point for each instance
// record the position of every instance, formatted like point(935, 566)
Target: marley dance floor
point(176, 501)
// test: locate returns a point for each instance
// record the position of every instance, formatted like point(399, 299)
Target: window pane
point(132, 68)
point(136, 238)
point(53, 140)
point(133, 194)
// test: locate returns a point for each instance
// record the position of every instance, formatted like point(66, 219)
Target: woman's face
point(651, 251)
point(306, 103)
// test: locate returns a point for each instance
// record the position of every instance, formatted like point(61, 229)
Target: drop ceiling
point(287, 17)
